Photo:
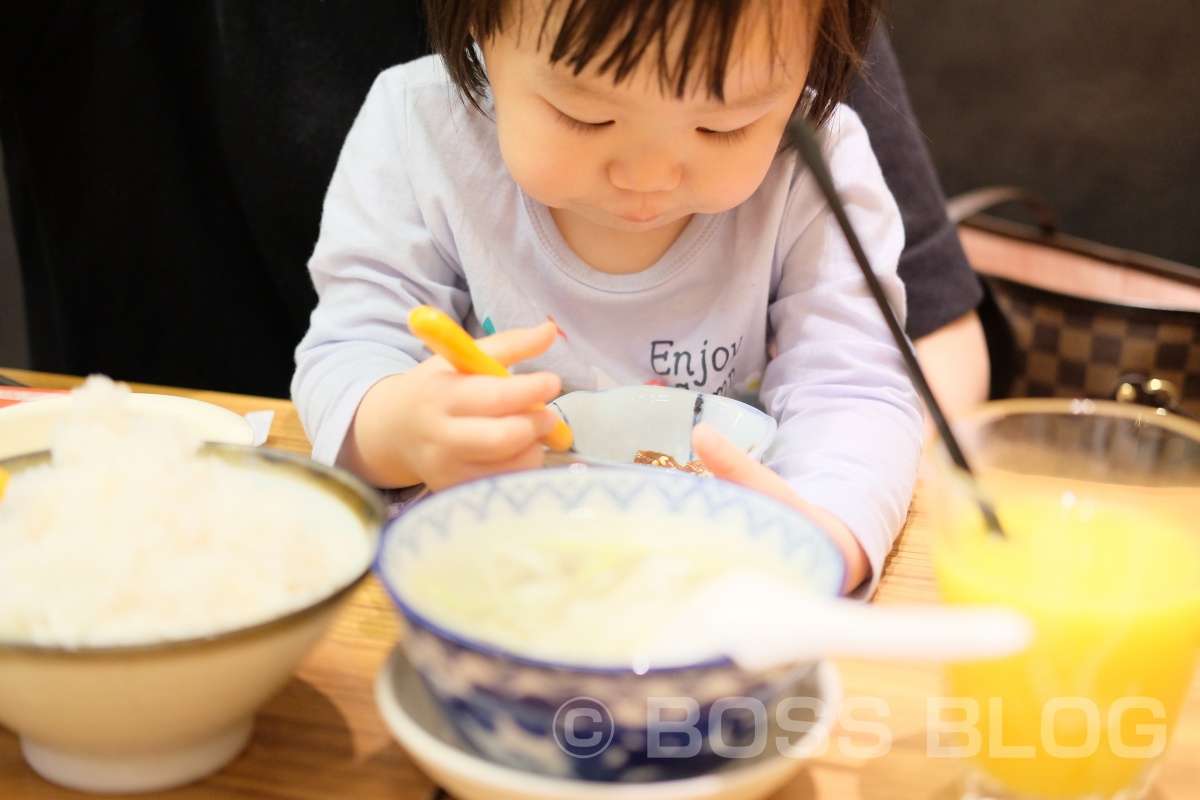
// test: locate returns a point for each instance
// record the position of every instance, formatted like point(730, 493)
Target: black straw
point(801, 136)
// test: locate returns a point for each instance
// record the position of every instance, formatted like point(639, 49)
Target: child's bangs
point(689, 43)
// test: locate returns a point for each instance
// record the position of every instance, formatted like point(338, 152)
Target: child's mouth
point(640, 217)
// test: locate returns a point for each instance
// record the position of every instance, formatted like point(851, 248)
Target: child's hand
point(729, 462)
point(436, 426)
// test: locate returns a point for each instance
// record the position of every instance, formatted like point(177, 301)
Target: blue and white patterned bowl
point(612, 425)
point(514, 709)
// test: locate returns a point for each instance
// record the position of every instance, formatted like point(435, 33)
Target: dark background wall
point(1095, 105)
point(14, 346)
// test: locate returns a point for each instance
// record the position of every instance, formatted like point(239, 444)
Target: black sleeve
point(940, 284)
point(167, 164)
point(26, 28)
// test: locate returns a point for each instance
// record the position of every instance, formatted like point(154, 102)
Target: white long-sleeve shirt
point(421, 209)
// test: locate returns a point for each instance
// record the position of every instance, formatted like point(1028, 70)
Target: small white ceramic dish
point(612, 425)
point(413, 717)
point(26, 427)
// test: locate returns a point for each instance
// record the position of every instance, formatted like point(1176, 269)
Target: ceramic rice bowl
point(143, 717)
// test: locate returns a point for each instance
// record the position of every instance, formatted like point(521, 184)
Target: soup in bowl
point(533, 600)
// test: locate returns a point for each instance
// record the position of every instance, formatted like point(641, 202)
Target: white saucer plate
point(27, 427)
point(414, 719)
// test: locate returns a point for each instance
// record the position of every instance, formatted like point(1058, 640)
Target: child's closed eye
point(579, 125)
point(725, 137)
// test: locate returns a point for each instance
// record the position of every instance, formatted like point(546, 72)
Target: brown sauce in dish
point(657, 459)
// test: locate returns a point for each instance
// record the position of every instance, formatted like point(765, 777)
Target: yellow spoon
point(446, 338)
point(3, 481)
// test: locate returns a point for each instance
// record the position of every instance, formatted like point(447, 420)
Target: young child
point(602, 183)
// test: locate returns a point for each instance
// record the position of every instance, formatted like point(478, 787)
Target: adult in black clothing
point(943, 291)
point(167, 164)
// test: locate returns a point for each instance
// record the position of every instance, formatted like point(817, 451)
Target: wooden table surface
point(322, 736)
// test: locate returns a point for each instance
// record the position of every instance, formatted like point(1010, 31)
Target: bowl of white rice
point(534, 604)
point(155, 592)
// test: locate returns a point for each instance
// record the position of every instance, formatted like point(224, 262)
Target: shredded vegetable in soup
point(590, 594)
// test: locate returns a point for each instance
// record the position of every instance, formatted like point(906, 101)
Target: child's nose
point(645, 171)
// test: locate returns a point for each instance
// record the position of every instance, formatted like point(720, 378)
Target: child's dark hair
point(587, 27)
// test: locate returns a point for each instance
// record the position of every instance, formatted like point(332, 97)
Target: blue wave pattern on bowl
point(614, 424)
point(505, 705)
point(508, 713)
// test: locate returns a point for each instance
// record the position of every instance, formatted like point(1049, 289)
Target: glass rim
point(1074, 407)
point(992, 411)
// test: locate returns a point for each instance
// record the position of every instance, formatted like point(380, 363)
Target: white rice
point(129, 537)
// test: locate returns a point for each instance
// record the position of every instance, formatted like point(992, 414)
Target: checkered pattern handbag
point(1081, 319)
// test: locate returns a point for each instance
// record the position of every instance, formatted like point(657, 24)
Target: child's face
point(633, 157)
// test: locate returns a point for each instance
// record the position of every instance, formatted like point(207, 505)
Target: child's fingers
point(528, 343)
point(491, 440)
point(474, 447)
point(519, 344)
point(485, 396)
point(729, 462)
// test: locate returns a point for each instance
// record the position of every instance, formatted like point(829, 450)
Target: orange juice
point(1113, 587)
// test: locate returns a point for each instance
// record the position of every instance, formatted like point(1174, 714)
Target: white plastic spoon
point(759, 622)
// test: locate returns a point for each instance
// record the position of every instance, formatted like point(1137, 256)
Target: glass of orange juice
point(1099, 510)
